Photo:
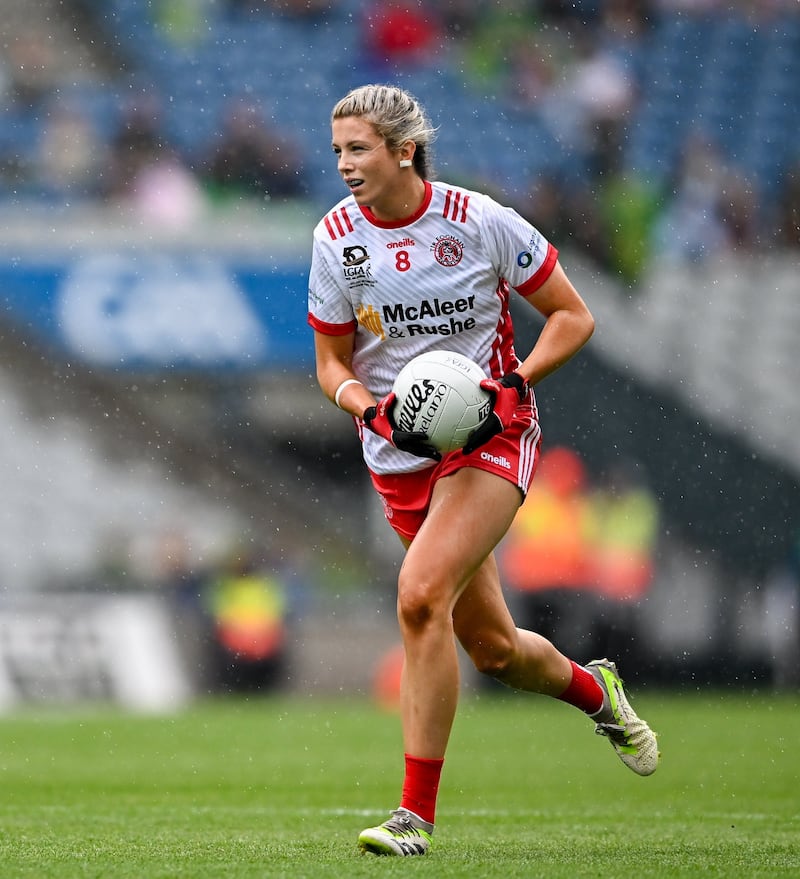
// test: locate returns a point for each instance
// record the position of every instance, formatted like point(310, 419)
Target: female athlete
point(404, 265)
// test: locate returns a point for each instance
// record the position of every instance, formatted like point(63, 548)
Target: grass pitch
point(280, 787)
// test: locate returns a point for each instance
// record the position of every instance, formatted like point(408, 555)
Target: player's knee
point(418, 605)
point(493, 658)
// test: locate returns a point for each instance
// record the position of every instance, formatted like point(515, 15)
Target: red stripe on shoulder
point(545, 270)
point(338, 223)
point(447, 197)
point(455, 206)
point(327, 329)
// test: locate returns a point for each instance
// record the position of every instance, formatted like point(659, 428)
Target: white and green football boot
point(630, 736)
point(403, 834)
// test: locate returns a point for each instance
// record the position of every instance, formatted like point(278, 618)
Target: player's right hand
point(507, 393)
point(379, 420)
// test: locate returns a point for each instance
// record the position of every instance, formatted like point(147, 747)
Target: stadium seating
point(67, 503)
point(722, 74)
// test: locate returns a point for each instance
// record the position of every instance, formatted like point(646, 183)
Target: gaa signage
point(84, 647)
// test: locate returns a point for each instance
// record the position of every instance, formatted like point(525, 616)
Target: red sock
point(583, 691)
point(421, 786)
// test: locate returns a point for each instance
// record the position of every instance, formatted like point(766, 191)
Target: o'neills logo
point(422, 402)
point(404, 242)
point(499, 460)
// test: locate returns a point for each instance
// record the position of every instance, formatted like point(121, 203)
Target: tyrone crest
point(447, 250)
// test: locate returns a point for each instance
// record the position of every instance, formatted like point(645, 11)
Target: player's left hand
point(508, 392)
point(379, 420)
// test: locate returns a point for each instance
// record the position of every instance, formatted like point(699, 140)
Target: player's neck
point(402, 204)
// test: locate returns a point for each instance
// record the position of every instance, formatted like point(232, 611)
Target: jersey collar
point(405, 221)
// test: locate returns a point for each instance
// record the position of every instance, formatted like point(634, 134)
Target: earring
point(406, 163)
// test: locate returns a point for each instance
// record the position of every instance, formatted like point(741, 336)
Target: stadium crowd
point(580, 74)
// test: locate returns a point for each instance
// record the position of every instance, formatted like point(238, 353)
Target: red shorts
point(512, 455)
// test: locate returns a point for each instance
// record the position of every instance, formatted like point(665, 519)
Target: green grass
point(282, 786)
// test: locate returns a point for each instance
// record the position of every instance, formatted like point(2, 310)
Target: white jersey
point(440, 279)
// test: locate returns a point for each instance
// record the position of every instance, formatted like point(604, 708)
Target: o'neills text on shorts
point(499, 460)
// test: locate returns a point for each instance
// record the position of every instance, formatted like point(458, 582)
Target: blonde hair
point(397, 116)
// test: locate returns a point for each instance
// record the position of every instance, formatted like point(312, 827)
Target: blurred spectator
point(167, 194)
point(300, 10)
point(693, 224)
point(545, 205)
point(625, 522)
point(629, 207)
point(570, 537)
point(137, 143)
point(545, 556)
point(184, 22)
point(500, 34)
point(399, 35)
point(548, 543)
point(247, 608)
point(787, 233)
point(627, 20)
point(251, 160)
point(181, 578)
point(71, 157)
point(603, 90)
point(460, 18)
point(626, 528)
point(567, 13)
point(147, 176)
point(739, 211)
point(33, 69)
point(531, 78)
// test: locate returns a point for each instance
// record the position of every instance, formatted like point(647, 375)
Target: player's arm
point(334, 356)
point(338, 382)
point(568, 326)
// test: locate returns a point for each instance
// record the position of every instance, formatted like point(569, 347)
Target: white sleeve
point(518, 250)
point(328, 302)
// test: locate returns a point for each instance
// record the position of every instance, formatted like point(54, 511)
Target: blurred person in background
point(625, 533)
point(71, 156)
point(146, 174)
point(299, 10)
point(580, 555)
point(250, 160)
point(710, 210)
point(787, 233)
point(246, 603)
point(34, 69)
point(399, 36)
point(546, 557)
point(397, 247)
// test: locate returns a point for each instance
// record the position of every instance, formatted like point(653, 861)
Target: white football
point(439, 393)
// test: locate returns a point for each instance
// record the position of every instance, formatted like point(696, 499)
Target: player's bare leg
point(519, 658)
point(450, 588)
point(526, 661)
point(434, 574)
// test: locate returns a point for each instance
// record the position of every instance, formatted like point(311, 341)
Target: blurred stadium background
point(182, 510)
